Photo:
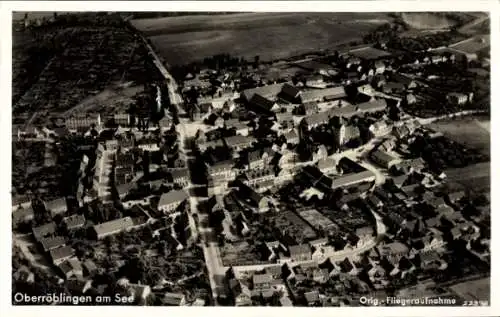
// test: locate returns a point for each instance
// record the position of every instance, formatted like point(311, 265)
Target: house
point(379, 128)
point(56, 206)
point(312, 298)
point(139, 292)
point(457, 98)
point(290, 94)
point(61, 254)
point(112, 227)
point(22, 215)
point(78, 286)
point(240, 293)
point(379, 67)
point(171, 200)
point(262, 104)
point(252, 198)
point(165, 123)
point(21, 202)
point(327, 165)
point(44, 230)
point(285, 301)
point(301, 252)
point(180, 176)
point(74, 222)
point(285, 119)
point(23, 274)
point(353, 179)
point(393, 251)
point(83, 121)
point(239, 142)
point(383, 158)
point(241, 127)
point(262, 282)
point(456, 196)
point(326, 94)
point(269, 91)
point(49, 243)
point(315, 81)
point(223, 169)
point(374, 201)
point(174, 299)
point(89, 267)
point(292, 137)
point(407, 81)
point(394, 88)
point(310, 108)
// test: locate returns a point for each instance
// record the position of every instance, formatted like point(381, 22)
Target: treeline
point(216, 62)
point(421, 43)
point(82, 19)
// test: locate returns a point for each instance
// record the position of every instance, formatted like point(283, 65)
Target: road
point(210, 250)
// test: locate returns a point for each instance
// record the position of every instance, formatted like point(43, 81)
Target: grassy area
point(270, 35)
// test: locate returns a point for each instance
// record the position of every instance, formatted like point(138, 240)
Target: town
point(310, 181)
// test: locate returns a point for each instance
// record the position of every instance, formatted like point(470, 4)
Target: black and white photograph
point(265, 158)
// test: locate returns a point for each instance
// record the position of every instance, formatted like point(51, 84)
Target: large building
point(171, 200)
point(112, 227)
point(83, 121)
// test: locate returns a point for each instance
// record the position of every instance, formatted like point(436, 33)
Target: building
point(171, 200)
point(301, 252)
point(174, 299)
point(56, 206)
point(269, 92)
point(326, 94)
point(262, 104)
point(59, 255)
point(457, 98)
point(44, 230)
point(79, 122)
point(262, 282)
point(180, 176)
point(239, 142)
point(122, 119)
point(290, 94)
point(353, 179)
point(383, 158)
point(112, 227)
point(52, 242)
point(74, 222)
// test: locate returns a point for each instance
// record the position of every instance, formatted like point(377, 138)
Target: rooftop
point(172, 197)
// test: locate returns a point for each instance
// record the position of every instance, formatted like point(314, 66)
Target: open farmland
point(186, 39)
point(471, 132)
point(473, 44)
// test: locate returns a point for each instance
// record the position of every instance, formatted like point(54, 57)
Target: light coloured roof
point(172, 197)
point(113, 225)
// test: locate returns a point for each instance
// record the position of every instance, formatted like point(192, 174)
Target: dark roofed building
point(50, 243)
point(44, 230)
point(290, 93)
point(61, 254)
point(74, 221)
point(260, 103)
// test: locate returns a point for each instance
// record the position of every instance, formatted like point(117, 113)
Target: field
point(473, 290)
point(369, 53)
point(269, 35)
point(472, 132)
point(473, 44)
point(427, 20)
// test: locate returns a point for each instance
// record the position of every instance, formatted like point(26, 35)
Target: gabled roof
point(319, 94)
point(261, 102)
point(290, 91)
point(52, 242)
point(113, 225)
point(44, 230)
point(61, 252)
point(269, 91)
